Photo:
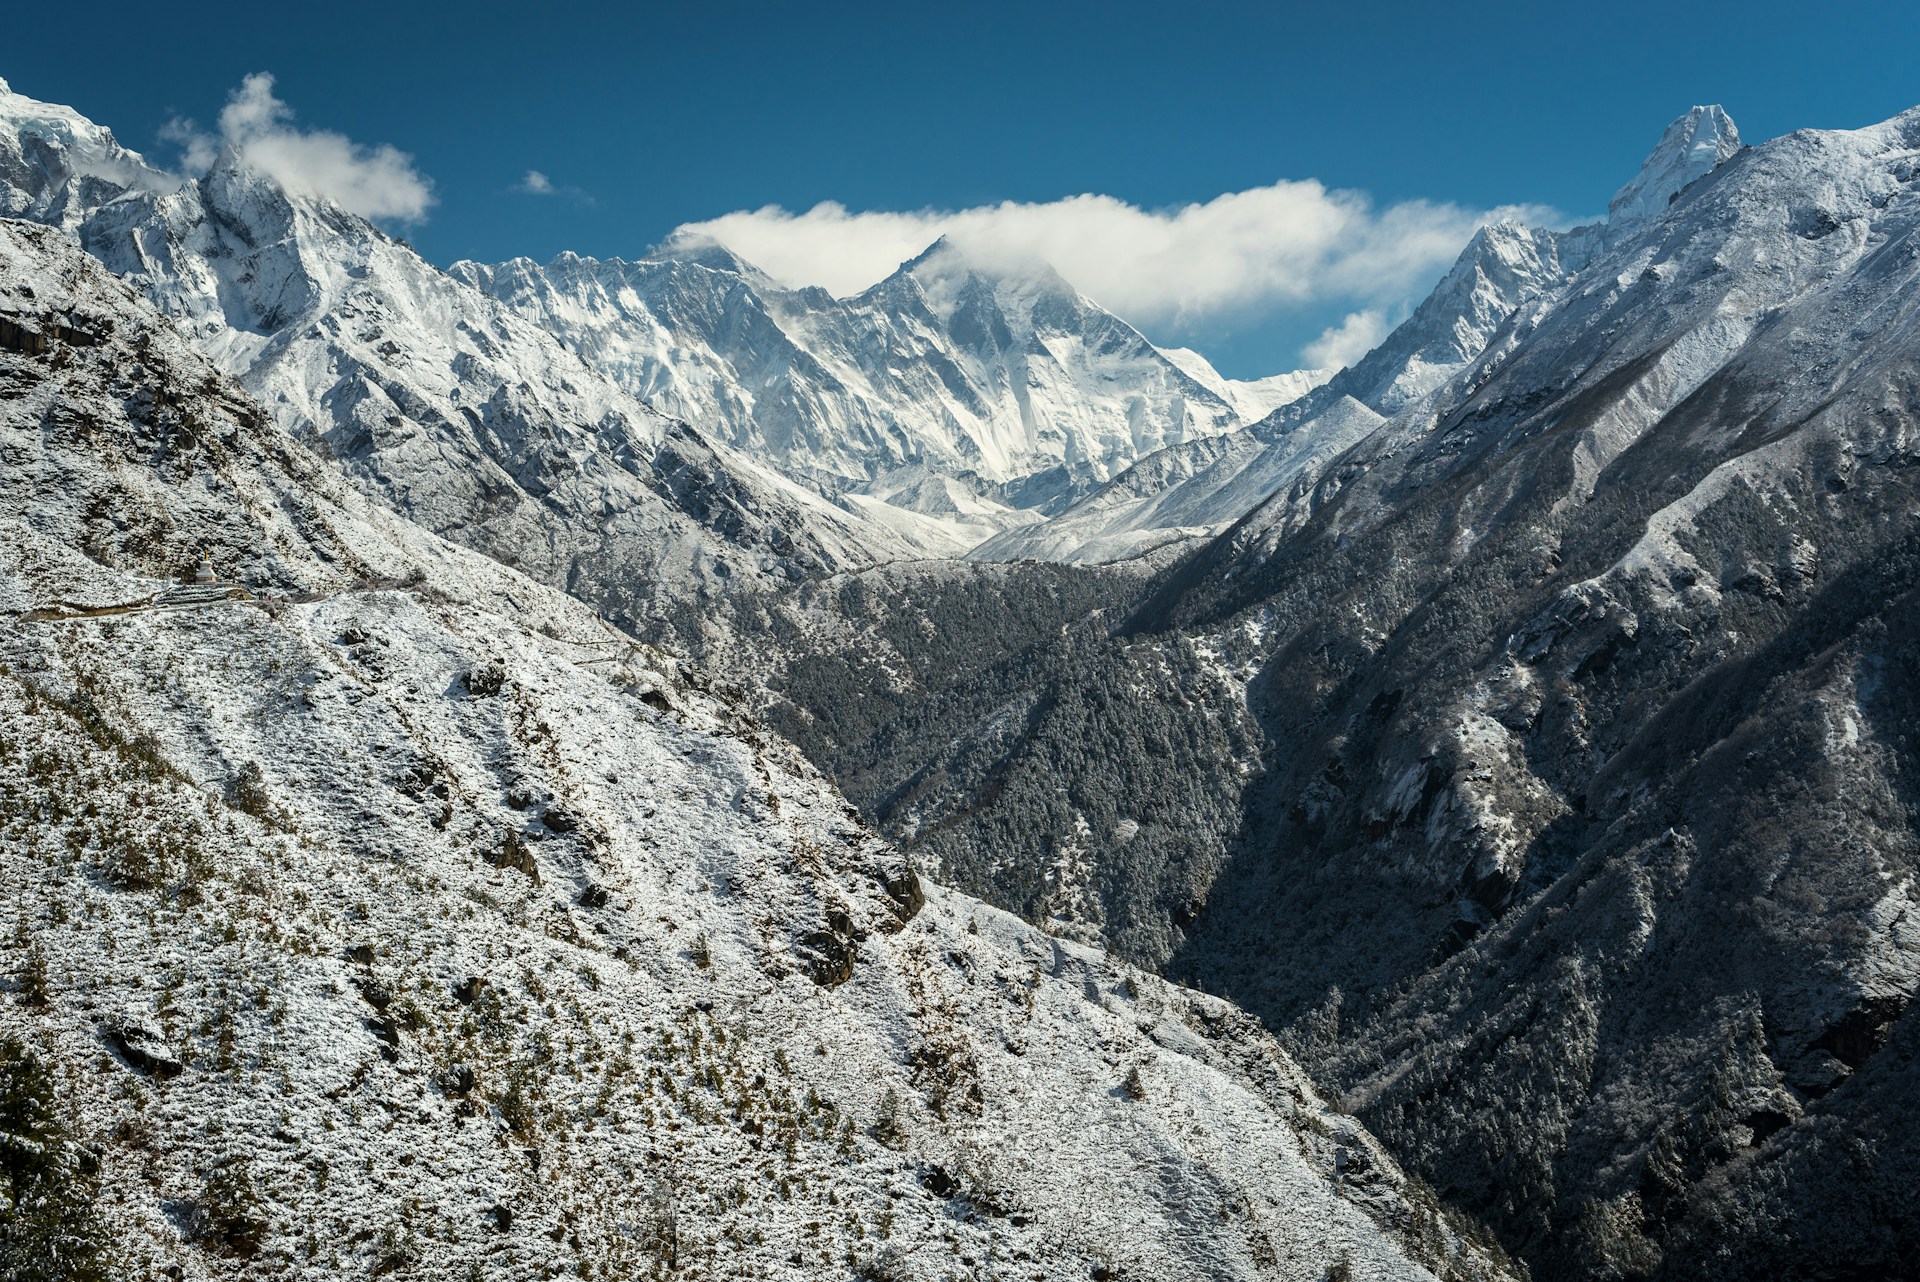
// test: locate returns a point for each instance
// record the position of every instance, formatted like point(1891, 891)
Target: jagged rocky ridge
point(1197, 490)
point(397, 915)
point(977, 397)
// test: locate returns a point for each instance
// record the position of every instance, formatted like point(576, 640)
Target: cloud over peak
point(374, 182)
point(1290, 244)
point(1341, 345)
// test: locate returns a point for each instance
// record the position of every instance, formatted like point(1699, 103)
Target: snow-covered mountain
point(1578, 837)
point(1008, 381)
point(1532, 744)
point(58, 167)
point(1692, 146)
point(462, 414)
point(376, 909)
point(1197, 490)
point(1597, 672)
point(680, 420)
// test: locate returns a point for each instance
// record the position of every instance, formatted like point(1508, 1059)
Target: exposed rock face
point(142, 1044)
point(56, 166)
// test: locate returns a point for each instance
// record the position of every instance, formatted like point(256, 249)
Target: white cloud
point(198, 150)
point(1347, 342)
point(1289, 245)
point(537, 183)
point(375, 182)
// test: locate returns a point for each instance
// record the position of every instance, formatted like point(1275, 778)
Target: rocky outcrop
point(142, 1044)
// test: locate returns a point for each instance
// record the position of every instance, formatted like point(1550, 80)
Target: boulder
point(903, 888)
point(832, 957)
point(457, 1082)
point(374, 993)
point(514, 852)
point(142, 1044)
point(485, 679)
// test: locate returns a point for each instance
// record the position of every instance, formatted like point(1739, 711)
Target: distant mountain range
point(468, 418)
point(979, 400)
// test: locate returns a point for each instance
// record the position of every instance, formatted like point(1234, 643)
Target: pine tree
point(33, 976)
point(234, 1218)
point(49, 1231)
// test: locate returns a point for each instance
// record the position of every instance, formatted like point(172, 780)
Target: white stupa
point(203, 573)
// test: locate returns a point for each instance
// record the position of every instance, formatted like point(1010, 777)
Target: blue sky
point(1416, 119)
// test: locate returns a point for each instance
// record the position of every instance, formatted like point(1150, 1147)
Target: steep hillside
point(999, 723)
point(1590, 712)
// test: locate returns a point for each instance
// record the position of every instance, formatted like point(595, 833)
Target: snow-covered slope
point(463, 415)
point(56, 166)
point(1252, 399)
point(393, 913)
point(1196, 490)
point(1176, 496)
point(1199, 489)
point(1507, 265)
point(1009, 379)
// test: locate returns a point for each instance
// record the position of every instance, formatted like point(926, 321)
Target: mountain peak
point(948, 272)
point(947, 257)
point(938, 249)
point(56, 165)
point(702, 251)
point(1691, 147)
